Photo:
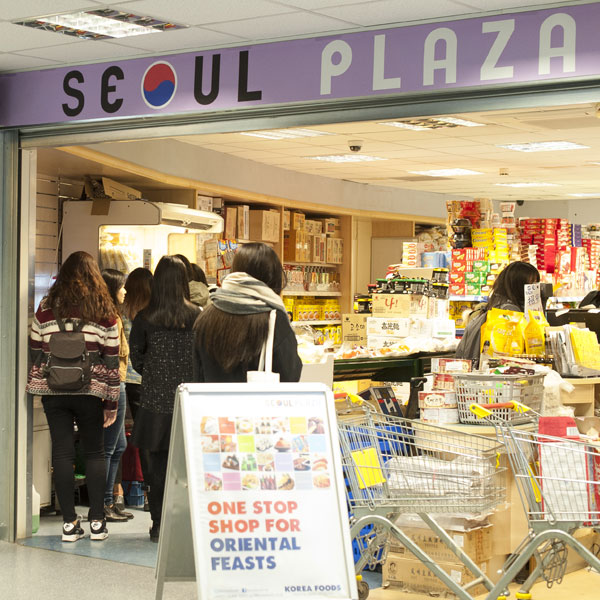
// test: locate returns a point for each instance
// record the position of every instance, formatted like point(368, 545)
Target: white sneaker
point(98, 530)
point(71, 532)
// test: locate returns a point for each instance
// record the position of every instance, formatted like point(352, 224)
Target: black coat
point(286, 361)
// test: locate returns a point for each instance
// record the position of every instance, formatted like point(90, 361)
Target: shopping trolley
point(558, 480)
point(393, 466)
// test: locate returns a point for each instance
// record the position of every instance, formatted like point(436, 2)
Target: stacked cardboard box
point(312, 240)
point(549, 236)
point(403, 570)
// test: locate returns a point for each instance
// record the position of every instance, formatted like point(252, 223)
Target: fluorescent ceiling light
point(446, 172)
point(460, 122)
point(429, 123)
point(527, 184)
point(596, 195)
point(406, 125)
point(542, 146)
point(100, 24)
point(286, 134)
point(346, 158)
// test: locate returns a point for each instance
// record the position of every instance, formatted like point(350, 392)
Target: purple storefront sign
point(497, 50)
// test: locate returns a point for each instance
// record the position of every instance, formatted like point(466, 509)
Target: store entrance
point(380, 192)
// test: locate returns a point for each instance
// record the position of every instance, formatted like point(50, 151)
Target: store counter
point(385, 369)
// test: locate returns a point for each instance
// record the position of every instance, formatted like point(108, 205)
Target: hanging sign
point(263, 495)
point(500, 49)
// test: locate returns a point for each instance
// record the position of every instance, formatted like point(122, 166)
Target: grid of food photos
point(267, 453)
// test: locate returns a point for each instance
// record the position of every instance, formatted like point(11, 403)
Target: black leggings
point(156, 477)
point(89, 416)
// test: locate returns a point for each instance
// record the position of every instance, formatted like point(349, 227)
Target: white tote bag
point(265, 364)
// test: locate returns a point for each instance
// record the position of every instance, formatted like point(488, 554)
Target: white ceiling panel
point(489, 5)
point(194, 38)
point(319, 4)
point(283, 25)
point(24, 9)
point(15, 38)
point(16, 61)
point(100, 50)
point(201, 12)
point(392, 11)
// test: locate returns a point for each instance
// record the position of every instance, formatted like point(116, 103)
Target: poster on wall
point(266, 498)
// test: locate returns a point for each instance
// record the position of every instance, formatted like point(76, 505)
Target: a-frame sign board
point(254, 502)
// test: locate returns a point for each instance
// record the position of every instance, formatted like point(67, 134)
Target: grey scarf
point(242, 294)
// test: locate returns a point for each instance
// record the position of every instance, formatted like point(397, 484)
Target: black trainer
point(72, 532)
point(155, 531)
point(98, 530)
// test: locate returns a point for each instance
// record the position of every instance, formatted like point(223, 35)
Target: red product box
point(460, 267)
point(454, 277)
point(459, 255)
point(456, 289)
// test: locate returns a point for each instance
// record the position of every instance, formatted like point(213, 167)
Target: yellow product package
point(503, 330)
point(534, 333)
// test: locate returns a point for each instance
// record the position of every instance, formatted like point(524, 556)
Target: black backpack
point(69, 367)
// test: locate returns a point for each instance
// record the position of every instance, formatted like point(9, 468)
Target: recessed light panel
point(100, 24)
point(346, 158)
point(596, 195)
point(285, 134)
point(431, 123)
point(446, 172)
point(526, 184)
point(542, 146)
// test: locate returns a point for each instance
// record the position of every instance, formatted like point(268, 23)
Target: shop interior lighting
point(427, 124)
point(100, 24)
point(527, 184)
point(346, 158)
point(596, 195)
point(542, 146)
point(446, 172)
point(286, 134)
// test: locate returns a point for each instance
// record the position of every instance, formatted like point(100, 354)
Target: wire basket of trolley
point(558, 479)
point(394, 465)
point(483, 388)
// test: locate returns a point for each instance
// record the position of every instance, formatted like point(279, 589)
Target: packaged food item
point(535, 333)
point(502, 332)
point(437, 399)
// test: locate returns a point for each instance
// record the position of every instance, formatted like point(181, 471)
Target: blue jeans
point(114, 446)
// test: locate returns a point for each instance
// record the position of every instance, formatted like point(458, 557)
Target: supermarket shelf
point(316, 323)
point(307, 264)
point(468, 298)
point(305, 293)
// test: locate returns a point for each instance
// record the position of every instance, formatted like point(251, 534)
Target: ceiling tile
point(383, 12)
point(201, 12)
point(319, 4)
point(489, 5)
point(25, 9)
point(95, 50)
point(14, 38)
point(193, 38)
point(300, 23)
point(13, 62)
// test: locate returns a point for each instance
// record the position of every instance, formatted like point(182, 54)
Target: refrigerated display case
point(135, 233)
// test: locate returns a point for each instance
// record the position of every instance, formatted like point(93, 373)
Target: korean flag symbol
point(159, 84)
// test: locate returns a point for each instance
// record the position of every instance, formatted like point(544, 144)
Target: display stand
point(224, 526)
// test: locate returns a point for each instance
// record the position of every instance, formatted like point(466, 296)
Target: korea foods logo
point(159, 84)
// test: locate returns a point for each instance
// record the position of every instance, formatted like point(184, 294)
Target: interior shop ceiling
point(212, 24)
point(551, 175)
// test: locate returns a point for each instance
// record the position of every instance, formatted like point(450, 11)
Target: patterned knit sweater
point(102, 342)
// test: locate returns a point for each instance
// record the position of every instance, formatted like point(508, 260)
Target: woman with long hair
point(115, 442)
point(199, 294)
point(138, 287)
point(79, 299)
point(230, 333)
point(161, 344)
point(508, 293)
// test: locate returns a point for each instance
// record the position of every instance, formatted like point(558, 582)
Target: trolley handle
point(485, 410)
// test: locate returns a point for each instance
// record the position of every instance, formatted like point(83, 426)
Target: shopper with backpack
point(74, 351)
point(160, 343)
